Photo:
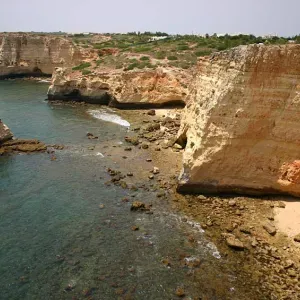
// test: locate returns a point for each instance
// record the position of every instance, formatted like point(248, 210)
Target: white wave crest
point(108, 117)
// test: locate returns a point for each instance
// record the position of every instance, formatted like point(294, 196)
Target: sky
point(258, 17)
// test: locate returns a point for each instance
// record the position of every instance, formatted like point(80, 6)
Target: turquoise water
point(54, 235)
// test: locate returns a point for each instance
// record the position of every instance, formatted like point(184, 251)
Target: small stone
point(177, 146)
point(145, 146)
point(234, 243)
point(129, 174)
point(151, 176)
point(155, 170)
point(166, 262)
point(271, 217)
point(148, 159)
point(245, 230)
point(160, 194)
point(297, 238)
point(254, 243)
point(281, 204)
point(151, 112)
point(231, 202)
point(135, 228)
point(180, 292)
point(288, 264)
point(292, 273)
point(127, 148)
point(270, 228)
point(101, 206)
point(157, 149)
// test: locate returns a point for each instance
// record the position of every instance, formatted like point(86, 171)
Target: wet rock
point(139, 206)
point(155, 170)
point(180, 292)
point(270, 228)
point(297, 238)
point(91, 136)
point(132, 140)
point(234, 243)
point(166, 262)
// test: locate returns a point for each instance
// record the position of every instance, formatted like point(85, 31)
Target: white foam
point(108, 117)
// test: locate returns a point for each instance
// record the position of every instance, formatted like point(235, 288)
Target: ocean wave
point(108, 117)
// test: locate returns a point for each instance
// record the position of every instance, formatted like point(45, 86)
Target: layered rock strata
point(133, 89)
point(33, 55)
point(242, 124)
point(10, 145)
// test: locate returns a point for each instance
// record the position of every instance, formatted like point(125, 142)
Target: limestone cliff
point(29, 54)
point(120, 88)
point(5, 133)
point(242, 124)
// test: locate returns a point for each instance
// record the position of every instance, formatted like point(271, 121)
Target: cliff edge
point(242, 124)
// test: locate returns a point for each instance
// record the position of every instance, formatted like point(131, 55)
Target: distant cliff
point(123, 89)
point(27, 54)
point(241, 125)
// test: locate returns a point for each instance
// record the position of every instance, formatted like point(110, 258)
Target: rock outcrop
point(132, 89)
point(29, 54)
point(241, 126)
point(10, 145)
point(5, 133)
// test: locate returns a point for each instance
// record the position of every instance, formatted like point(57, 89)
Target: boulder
point(240, 127)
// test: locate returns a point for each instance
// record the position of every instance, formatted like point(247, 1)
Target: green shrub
point(144, 58)
point(172, 57)
point(131, 66)
point(142, 49)
point(160, 55)
point(183, 47)
point(203, 53)
point(119, 66)
point(86, 72)
point(98, 62)
point(82, 66)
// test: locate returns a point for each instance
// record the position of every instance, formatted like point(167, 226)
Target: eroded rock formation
point(28, 54)
point(5, 133)
point(242, 124)
point(133, 89)
point(10, 145)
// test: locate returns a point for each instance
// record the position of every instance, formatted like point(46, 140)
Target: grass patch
point(203, 53)
point(86, 72)
point(172, 57)
point(144, 58)
point(160, 55)
point(82, 66)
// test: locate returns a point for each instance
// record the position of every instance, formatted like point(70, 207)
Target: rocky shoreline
point(243, 228)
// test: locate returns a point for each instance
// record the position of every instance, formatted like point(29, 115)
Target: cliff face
point(122, 89)
point(242, 124)
point(5, 133)
point(25, 54)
